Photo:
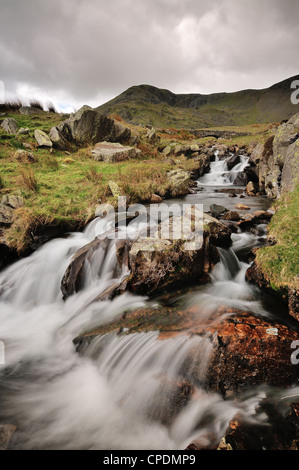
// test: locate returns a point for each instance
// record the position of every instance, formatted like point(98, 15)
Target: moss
point(279, 262)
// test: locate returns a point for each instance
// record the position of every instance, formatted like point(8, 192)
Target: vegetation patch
point(279, 262)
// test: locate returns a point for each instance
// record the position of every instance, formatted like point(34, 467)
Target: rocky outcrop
point(42, 139)
point(88, 126)
point(160, 264)
point(25, 157)
point(179, 181)
point(29, 110)
point(242, 350)
point(109, 152)
point(277, 160)
point(154, 263)
point(255, 275)
point(10, 126)
point(290, 170)
point(280, 433)
point(8, 204)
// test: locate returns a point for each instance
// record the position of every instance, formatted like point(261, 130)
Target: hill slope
point(148, 105)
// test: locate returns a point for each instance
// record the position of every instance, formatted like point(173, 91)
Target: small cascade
point(219, 175)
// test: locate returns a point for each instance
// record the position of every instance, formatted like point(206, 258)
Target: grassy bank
point(62, 189)
point(280, 261)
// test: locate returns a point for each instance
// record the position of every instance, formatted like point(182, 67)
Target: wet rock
point(222, 150)
point(7, 254)
point(241, 179)
point(42, 139)
point(233, 161)
point(155, 199)
point(160, 264)
point(230, 190)
point(250, 351)
point(231, 215)
point(111, 152)
point(251, 189)
point(73, 276)
point(242, 207)
point(220, 233)
point(216, 210)
point(240, 350)
point(278, 434)
point(10, 126)
point(155, 264)
point(255, 275)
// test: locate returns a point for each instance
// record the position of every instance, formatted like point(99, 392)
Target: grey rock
point(179, 182)
point(290, 171)
point(10, 126)
point(23, 131)
point(89, 126)
point(8, 204)
point(217, 210)
point(233, 161)
point(111, 152)
point(42, 139)
point(29, 110)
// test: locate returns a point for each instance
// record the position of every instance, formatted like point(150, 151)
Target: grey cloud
point(90, 50)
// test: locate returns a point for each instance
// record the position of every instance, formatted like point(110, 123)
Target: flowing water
point(119, 394)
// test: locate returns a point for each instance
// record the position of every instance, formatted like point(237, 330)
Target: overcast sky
point(77, 52)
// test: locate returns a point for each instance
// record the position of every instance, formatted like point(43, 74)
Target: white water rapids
point(116, 395)
point(219, 175)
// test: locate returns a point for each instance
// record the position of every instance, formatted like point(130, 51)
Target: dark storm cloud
point(90, 50)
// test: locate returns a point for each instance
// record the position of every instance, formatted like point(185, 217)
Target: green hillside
point(148, 105)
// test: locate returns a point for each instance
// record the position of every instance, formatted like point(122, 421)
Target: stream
point(112, 397)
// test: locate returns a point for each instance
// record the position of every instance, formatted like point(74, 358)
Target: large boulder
point(233, 161)
point(287, 133)
point(160, 264)
point(58, 140)
point(290, 171)
point(89, 126)
point(29, 110)
point(276, 162)
point(179, 181)
point(111, 152)
point(10, 126)
point(42, 139)
point(237, 349)
point(8, 204)
point(155, 263)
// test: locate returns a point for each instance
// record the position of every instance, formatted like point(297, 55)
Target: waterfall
point(120, 391)
point(219, 174)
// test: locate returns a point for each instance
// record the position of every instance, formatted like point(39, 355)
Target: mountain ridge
point(148, 105)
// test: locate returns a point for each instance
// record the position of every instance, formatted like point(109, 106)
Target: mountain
point(148, 105)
